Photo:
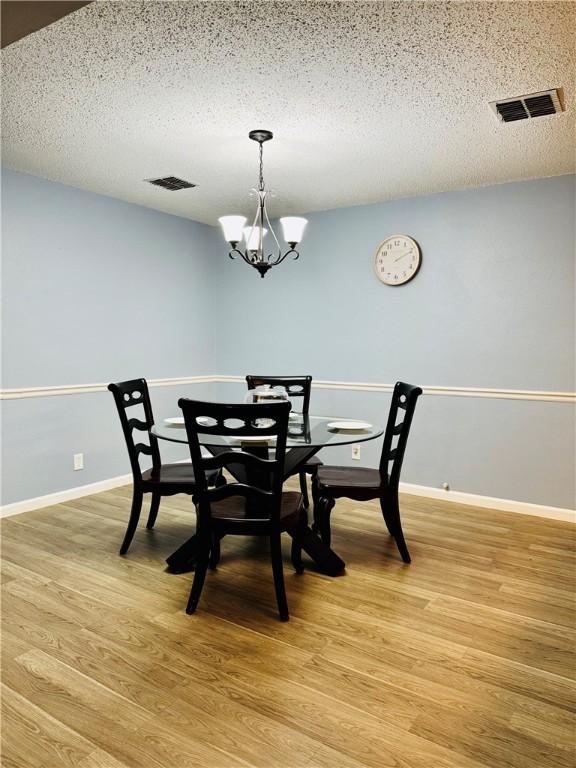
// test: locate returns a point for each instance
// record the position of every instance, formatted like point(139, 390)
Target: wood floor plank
point(33, 739)
point(482, 737)
point(161, 690)
point(559, 733)
point(466, 685)
point(110, 720)
point(432, 687)
point(12, 646)
point(345, 728)
point(100, 759)
point(464, 659)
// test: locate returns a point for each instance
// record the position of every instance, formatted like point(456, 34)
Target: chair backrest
point(263, 488)
point(128, 394)
point(295, 386)
point(400, 416)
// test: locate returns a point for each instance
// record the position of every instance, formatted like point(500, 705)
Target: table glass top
point(313, 431)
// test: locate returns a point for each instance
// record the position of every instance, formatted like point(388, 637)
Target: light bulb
point(293, 228)
point(252, 237)
point(232, 227)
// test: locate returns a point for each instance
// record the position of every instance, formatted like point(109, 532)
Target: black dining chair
point(296, 387)
point(363, 483)
point(161, 479)
point(256, 507)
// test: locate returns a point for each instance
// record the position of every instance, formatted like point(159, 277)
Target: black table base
point(326, 560)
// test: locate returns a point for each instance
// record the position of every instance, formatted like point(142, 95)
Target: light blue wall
point(97, 290)
point(94, 290)
point(492, 306)
point(41, 435)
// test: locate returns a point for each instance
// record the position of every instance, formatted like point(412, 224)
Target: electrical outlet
point(356, 452)
point(78, 461)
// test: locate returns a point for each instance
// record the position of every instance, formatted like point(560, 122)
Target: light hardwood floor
point(463, 659)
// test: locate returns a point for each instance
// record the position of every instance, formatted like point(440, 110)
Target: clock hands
point(401, 257)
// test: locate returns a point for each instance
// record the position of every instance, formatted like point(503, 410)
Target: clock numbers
point(397, 260)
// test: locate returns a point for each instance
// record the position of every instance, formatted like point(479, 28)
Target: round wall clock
point(397, 260)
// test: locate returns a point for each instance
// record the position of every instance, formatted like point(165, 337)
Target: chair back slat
point(258, 498)
point(138, 424)
point(295, 386)
point(263, 489)
point(227, 458)
point(403, 405)
point(143, 448)
point(128, 394)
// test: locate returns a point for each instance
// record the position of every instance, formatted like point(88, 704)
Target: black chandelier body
point(254, 252)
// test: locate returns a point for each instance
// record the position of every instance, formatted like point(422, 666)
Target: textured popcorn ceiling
point(368, 101)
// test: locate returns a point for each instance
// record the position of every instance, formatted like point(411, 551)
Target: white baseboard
point(27, 505)
point(457, 497)
point(490, 502)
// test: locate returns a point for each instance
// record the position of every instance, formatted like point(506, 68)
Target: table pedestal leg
point(326, 560)
point(183, 560)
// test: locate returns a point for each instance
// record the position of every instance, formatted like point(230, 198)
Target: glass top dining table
point(312, 432)
point(306, 436)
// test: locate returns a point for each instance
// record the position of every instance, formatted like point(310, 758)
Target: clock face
point(397, 260)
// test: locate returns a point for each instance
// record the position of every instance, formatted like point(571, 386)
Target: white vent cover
point(528, 106)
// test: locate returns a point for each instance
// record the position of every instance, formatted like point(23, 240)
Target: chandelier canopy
point(254, 251)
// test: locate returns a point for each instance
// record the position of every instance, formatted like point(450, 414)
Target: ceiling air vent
point(525, 107)
point(172, 183)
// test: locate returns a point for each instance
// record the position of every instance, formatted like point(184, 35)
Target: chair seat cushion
point(340, 478)
point(234, 508)
point(175, 474)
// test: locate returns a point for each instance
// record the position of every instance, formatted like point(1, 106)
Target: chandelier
point(235, 230)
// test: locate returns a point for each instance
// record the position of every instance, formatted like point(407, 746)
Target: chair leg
point(276, 554)
point(215, 550)
point(402, 548)
point(325, 507)
point(384, 506)
point(133, 521)
point(154, 507)
point(304, 489)
point(391, 513)
point(199, 573)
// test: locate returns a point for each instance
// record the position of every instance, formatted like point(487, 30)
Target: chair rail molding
point(20, 393)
